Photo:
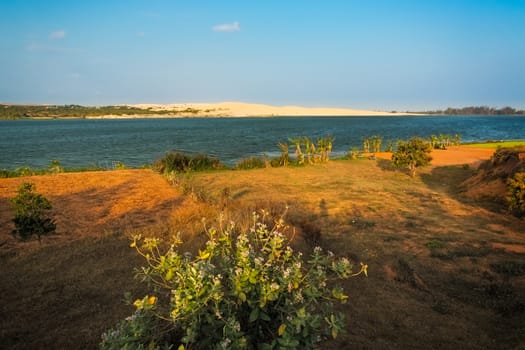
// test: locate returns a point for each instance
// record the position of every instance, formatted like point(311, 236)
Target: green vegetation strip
point(497, 144)
point(12, 112)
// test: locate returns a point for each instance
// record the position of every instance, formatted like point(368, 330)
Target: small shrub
point(201, 162)
point(25, 171)
point(444, 141)
point(4, 174)
point(279, 162)
point(55, 167)
point(372, 144)
point(31, 213)
point(516, 194)
point(250, 163)
point(119, 165)
point(179, 162)
point(284, 158)
point(243, 290)
point(172, 162)
point(435, 244)
point(353, 153)
point(412, 154)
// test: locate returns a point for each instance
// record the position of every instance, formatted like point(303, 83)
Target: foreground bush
point(180, 162)
point(243, 290)
point(32, 216)
point(516, 194)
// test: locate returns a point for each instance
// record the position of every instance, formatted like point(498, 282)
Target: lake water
point(88, 142)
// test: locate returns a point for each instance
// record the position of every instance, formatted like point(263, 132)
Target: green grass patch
point(496, 144)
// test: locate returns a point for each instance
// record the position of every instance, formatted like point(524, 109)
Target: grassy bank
point(445, 271)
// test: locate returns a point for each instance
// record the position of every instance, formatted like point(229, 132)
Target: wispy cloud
point(227, 27)
point(57, 34)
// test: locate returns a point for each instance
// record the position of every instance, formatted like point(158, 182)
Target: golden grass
point(445, 271)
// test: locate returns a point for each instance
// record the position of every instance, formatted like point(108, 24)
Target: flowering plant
point(246, 290)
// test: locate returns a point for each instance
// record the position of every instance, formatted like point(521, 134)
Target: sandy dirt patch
point(455, 155)
point(94, 203)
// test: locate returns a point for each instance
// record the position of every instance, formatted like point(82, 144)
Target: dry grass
point(446, 271)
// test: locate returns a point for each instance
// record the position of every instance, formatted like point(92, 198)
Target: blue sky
point(372, 54)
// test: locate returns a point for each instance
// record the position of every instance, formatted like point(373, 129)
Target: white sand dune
point(238, 109)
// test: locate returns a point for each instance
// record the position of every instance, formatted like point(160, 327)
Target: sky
point(367, 54)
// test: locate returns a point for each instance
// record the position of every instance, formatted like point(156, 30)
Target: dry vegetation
point(446, 269)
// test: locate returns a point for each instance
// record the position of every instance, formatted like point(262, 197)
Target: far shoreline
point(184, 110)
point(219, 110)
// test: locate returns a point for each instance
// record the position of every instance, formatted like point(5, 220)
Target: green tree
point(32, 216)
point(412, 154)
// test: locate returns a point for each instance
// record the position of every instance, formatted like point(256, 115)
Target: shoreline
point(193, 110)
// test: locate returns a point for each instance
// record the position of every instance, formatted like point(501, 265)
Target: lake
point(89, 142)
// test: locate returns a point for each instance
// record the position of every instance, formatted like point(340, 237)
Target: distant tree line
point(8, 111)
point(477, 110)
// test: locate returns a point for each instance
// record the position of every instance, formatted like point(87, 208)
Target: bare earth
point(94, 203)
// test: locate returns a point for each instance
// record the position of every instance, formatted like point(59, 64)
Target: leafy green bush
point(179, 162)
point(32, 215)
point(243, 290)
point(412, 154)
point(250, 163)
point(516, 194)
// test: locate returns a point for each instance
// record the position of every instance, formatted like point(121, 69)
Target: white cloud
point(227, 27)
point(141, 34)
point(57, 34)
